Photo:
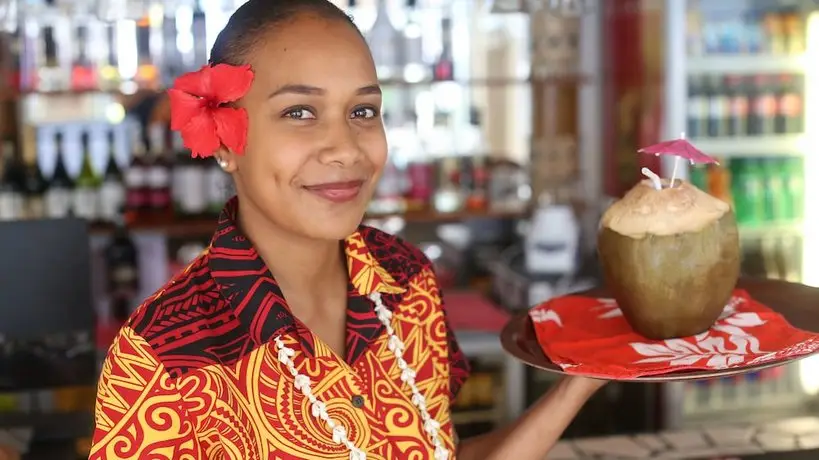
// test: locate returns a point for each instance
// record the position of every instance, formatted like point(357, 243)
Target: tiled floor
point(786, 435)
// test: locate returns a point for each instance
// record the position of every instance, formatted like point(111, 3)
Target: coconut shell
point(672, 285)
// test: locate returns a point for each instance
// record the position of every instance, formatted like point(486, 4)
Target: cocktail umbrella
point(679, 148)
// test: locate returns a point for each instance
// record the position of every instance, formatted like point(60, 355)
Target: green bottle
point(86, 191)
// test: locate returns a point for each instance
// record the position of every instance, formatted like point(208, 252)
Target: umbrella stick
point(674, 172)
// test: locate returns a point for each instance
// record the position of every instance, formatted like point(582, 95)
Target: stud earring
point(222, 163)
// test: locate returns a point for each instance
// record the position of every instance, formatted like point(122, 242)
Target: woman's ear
point(226, 160)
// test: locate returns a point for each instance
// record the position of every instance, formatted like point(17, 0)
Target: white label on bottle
point(11, 206)
point(217, 185)
point(111, 200)
point(86, 203)
point(58, 202)
point(134, 177)
point(158, 177)
point(190, 188)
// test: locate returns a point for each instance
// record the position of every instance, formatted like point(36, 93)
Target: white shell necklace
point(319, 409)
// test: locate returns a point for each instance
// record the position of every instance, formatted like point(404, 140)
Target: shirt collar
point(245, 282)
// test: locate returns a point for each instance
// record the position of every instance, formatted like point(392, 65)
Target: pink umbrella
point(679, 148)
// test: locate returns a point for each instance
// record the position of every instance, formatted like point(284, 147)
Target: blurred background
point(512, 124)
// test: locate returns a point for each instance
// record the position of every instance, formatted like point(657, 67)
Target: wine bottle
point(444, 66)
point(58, 199)
point(121, 260)
point(136, 187)
point(159, 174)
point(189, 176)
point(34, 185)
point(385, 44)
point(86, 203)
point(112, 189)
point(11, 190)
point(83, 74)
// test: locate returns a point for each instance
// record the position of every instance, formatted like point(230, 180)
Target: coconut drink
point(670, 257)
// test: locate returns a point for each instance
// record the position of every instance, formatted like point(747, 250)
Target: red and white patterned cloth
point(590, 336)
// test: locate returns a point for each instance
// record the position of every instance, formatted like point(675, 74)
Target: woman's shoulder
point(185, 300)
point(402, 259)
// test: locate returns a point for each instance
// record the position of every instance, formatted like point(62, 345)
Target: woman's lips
point(337, 192)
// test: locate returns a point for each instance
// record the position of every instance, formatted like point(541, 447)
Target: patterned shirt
point(194, 373)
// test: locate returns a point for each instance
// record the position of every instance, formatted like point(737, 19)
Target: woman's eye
point(300, 113)
point(364, 112)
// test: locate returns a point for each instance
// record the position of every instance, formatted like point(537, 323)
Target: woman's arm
point(536, 432)
point(139, 413)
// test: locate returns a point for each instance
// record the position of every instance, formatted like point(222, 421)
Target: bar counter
point(789, 439)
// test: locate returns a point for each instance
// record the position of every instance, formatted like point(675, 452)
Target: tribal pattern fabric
point(194, 374)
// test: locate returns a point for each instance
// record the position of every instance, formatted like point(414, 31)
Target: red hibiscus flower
point(200, 111)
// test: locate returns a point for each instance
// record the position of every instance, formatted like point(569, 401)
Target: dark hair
point(248, 24)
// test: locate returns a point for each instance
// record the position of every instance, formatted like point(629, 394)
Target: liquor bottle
point(172, 59)
point(109, 71)
point(86, 192)
point(11, 190)
point(448, 196)
point(49, 71)
point(122, 264)
point(35, 185)
point(136, 186)
point(385, 44)
point(200, 36)
point(444, 67)
point(414, 66)
point(697, 108)
point(83, 74)
point(189, 182)
point(59, 196)
point(112, 189)
point(147, 73)
point(158, 173)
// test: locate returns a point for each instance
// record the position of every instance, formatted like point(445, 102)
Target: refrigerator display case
point(742, 82)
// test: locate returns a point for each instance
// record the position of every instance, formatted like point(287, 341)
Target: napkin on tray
point(590, 336)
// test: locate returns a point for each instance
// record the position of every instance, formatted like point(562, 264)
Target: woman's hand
point(533, 435)
point(585, 385)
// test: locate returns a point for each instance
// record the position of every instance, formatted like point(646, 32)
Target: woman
point(299, 334)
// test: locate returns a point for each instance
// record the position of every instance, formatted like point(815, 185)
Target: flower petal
point(231, 127)
point(200, 135)
point(230, 83)
point(184, 107)
point(196, 83)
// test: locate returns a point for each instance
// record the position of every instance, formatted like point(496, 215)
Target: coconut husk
point(670, 258)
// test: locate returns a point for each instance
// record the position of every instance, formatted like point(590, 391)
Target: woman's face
point(316, 145)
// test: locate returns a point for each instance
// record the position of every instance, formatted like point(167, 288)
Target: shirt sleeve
point(139, 412)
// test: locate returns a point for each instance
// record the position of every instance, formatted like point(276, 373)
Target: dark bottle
point(112, 189)
point(444, 67)
point(34, 185)
point(789, 106)
point(86, 204)
point(697, 108)
point(717, 108)
point(58, 198)
point(739, 106)
point(136, 183)
point(11, 184)
point(122, 263)
point(763, 107)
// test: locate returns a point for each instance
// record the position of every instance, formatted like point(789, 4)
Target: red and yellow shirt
point(194, 373)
